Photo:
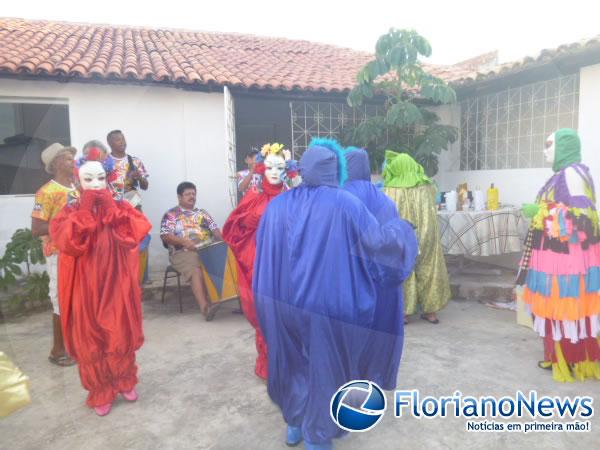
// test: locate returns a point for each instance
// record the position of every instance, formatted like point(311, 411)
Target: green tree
point(397, 77)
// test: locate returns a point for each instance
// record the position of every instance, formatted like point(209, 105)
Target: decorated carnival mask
point(275, 161)
point(92, 176)
point(550, 148)
point(274, 168)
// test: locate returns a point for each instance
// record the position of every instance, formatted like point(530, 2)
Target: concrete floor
point(197, 387)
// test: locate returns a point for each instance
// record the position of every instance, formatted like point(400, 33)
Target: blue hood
point(323, 164)
point(358, 164)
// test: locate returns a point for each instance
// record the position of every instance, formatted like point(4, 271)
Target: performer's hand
point(137, 175)
point(105, 199)
point(87, 200)
point(530, 210)
point(188, 244)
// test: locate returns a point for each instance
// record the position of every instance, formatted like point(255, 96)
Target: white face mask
point(274, 168)
point(550, 150)
point(92, 176)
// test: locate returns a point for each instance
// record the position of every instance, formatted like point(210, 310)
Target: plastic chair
point(170, 272)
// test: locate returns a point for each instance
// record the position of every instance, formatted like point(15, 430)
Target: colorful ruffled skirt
point(562, 291)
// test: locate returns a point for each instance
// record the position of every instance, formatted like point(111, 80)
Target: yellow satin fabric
point(564, 372)
point(14, 387)
point(428, 286)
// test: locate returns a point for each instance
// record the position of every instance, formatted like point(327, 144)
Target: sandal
point(546, 365)
point(62, 360)
point(210, 312)
point(432, 321)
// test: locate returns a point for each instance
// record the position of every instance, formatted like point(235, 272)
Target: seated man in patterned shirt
point(184, 229)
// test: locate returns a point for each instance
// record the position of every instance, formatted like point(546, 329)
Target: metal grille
point(324, 119)
point(507, 130)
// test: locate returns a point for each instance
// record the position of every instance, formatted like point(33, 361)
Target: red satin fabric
point(99, 291)
point(239, 232)
point(584, 349)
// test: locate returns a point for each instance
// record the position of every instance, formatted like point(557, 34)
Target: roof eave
point(542, 68)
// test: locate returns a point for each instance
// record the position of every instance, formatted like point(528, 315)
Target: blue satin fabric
point(382, 361)
point(358, 164)
point(321, 258)
point(319, 167)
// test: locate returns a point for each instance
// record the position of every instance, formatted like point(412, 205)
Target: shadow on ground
point(198, 390)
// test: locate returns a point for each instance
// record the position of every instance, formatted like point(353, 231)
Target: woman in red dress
point(240, 228)
point(99, 290)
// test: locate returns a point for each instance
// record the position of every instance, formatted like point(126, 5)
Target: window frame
point(490, 140)
point(36, 100)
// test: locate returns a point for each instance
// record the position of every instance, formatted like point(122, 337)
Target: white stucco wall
point(589, 120)
point(519, 186)
point(179, 135)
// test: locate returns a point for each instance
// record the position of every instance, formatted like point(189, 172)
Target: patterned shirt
point(124, 181)
point(195, 224)
point(49, 200)
point(254, 182)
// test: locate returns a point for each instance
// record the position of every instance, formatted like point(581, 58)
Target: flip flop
point(62, 360)
point(210, 313)
point(434, 321)
point(546, 365)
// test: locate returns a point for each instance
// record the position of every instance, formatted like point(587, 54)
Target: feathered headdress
point(291, 166)
point(95, 154)
point(273, 149)
point(336, 148)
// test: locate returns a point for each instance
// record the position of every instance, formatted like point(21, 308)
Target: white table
point(482, 233)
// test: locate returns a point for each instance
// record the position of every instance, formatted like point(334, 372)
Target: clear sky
point(457, 29)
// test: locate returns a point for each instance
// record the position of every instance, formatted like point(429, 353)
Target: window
point(26, 129)
point(507, 130)
point(324, 119)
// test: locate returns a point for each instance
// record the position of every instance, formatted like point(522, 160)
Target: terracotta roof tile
point(60, 49)
point(64, 50)
point(465, 75)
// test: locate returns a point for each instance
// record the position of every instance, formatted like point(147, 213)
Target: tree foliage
point(23, 248)
point(397, 75)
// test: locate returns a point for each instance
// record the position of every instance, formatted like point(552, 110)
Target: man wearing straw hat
point(49, 200)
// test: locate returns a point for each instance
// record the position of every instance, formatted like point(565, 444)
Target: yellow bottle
point(493, 198)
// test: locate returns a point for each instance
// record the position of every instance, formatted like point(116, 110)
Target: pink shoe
point(130, 396)
point(103, 410)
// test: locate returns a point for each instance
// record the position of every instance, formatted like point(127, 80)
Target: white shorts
point(52, 269)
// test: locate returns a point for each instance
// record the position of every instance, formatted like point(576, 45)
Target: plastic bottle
point(493, 198)
point(451, 201)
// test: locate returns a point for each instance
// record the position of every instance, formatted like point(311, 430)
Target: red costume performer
point(99, 291)
point(240, 229)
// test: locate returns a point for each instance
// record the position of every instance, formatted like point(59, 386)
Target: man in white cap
point(49, 200)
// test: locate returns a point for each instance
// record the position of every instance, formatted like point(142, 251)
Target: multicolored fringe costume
point(560, 269)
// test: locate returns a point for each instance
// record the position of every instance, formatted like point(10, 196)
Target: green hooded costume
point(413, 193)
point(567, 148)
point(567, 151)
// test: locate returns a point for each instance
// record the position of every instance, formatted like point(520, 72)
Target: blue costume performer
point(321, 259)
point(387, 337)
